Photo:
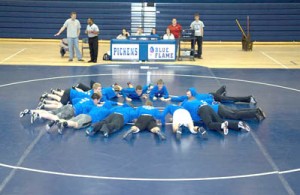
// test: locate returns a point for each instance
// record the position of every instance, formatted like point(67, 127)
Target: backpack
point(106, 57)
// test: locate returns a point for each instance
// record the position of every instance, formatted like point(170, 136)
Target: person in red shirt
point(175, 28)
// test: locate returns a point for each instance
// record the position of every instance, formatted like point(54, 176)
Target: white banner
point(161, 52)
point(125, 52)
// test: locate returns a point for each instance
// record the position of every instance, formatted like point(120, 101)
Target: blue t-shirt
point(108, 93)
point(170, 109)
point(192, 106)
point(131, 93)
point(79, 94)
point(150, 110)
point(155, 92)
point(99, 113)
point(128, 113)
point(83, 106)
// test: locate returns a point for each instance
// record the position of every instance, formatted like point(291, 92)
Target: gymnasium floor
point(215, 54)
point(263, 161)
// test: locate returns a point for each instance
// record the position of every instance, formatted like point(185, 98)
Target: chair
point(84, 45)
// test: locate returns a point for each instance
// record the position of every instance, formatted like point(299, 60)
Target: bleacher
point(268, 21)
point(42, 19)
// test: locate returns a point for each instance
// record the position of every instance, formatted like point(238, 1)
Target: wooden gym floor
point(215, 54)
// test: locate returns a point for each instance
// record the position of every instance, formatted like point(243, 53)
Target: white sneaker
point(24, 112)
point(33, 117)
point(224, 126)
point(244, 126)
point(253, 100)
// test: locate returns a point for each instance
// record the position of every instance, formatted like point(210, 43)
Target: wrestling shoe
point(244, 126)
point(260, 115)
point(161, 135)
point(179, 133)
point(253, 100)
point(105, 131)
point(24, 112)
point(127, 133)
point(33, 117)
point(41, 102)
point(90, 131)
point(40, 106)
point(61, 126)
point(224, 126)
point(43, 96)
point(150, 87)
point(42, 99)
point(50, 124)
point(52, 91)
point(202, 132)
point(224, 90)
point(92, 83)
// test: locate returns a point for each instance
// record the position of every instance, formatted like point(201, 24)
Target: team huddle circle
point(106, 110)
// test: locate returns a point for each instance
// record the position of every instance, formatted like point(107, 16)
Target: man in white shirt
point(73, 31)
point(92, 31)
point(198, 26)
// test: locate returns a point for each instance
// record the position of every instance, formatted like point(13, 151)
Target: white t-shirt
point(197, 26)
point(94, 28)
point(137, 34)
point(121, 36)
point(168, 37)
point(72, 27)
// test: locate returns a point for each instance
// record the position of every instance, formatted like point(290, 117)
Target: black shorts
point(146, 122)
point(65, 98)
point(83, 87)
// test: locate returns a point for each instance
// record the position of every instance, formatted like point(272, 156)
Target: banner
point(161, 52)
point(125, 51)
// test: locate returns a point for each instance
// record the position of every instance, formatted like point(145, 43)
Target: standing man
point(92, 31)
point(73, 31)
point(198, 26)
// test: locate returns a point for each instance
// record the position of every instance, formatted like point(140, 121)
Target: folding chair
point(84, 45)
